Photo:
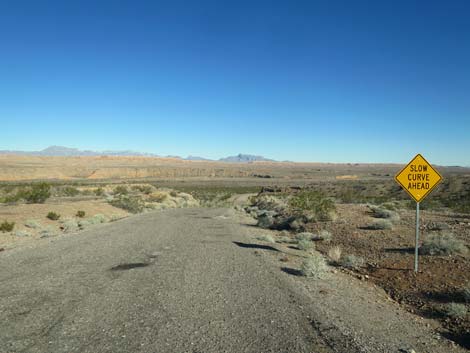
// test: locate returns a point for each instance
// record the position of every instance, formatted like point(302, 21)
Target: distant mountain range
point(61, 151)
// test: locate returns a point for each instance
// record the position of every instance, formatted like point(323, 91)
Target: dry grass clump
point(380, 224)
point(334, 254)
point(382, 212)
point(22, 233)
point(443, 244)
point(33, 224)
point(157, 197)
point(352, 262)
point(455, 310)
point(266, 238)
point(323, 235)
point(304, 236)
point(69, 225)
point(305, 244)
point(314, 266)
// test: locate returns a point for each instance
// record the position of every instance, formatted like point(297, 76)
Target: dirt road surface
point(187, 280)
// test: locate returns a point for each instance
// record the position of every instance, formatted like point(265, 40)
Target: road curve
point(173, 281)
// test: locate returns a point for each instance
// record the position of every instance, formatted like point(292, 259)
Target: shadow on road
point(291, 271)
point(124, 267)
point(255, 246)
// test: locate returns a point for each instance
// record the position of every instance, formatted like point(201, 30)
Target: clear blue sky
point(335, 81)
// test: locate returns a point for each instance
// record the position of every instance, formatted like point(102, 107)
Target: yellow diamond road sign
point(418, 178)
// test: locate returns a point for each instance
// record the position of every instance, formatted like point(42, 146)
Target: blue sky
point(332, 81)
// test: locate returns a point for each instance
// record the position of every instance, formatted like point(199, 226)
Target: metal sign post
point(418, 178)
point(417, 237)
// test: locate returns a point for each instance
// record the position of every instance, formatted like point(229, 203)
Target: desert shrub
point(6, 226)
point(70, 191)
point(265, 221)
point(145, 189)
point(173, 193)
point(438, 226)
point(121, 190)
point(352, 262)
point(334, 254)
point(130, 204)
point(80, 214)
point(443, 244)
point(47, 232)
point(304, 236)
point(297, 223)
point(466, 292)
point(314, 266)
point(158, 197)
point(285, 239)
point(99, 191)
point(322, 208)
point(266, 238)
point(31, 223)
point(38, 193)
point(14, 197)
point(380, 224)
point(322, 235)
point(305, 244)
point(69, 225)
point(53, 216)
point(382, 212)
point(22, 233)
point(115, 217)
point(97, 219)
point(455, 310)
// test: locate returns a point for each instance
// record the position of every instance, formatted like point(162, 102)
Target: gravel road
point(183, 280)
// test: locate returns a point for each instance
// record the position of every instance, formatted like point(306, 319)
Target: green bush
point(53, 216)
point(70, 191)
point(130, 204)
point(38, 193)
point(322, 208)
point(314, 266)
point(6, 226)
point(80, 214)
point(99, 191)
point(443, 244)
point(121, 190)
point(145, 189)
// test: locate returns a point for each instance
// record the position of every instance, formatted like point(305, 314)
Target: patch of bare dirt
point(22, 213)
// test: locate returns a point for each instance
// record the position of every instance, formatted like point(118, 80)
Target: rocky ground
point(385, 256)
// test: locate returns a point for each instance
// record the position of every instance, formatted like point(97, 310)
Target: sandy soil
point(23, 212)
